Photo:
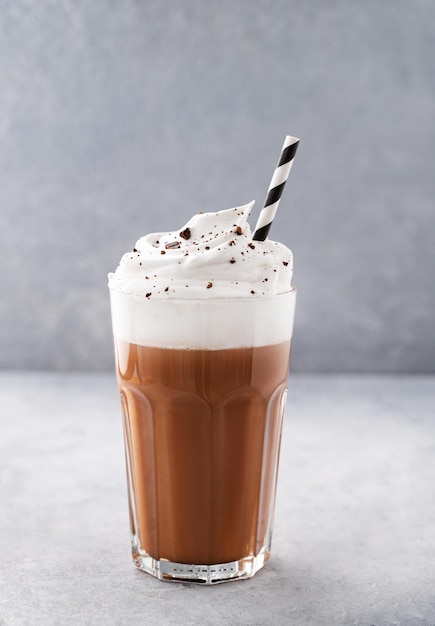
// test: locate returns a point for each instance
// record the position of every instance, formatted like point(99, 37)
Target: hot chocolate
point(202, 321)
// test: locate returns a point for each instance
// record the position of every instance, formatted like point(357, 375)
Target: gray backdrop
point(120, 118)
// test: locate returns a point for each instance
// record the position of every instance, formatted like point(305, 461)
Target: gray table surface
point(354, 539)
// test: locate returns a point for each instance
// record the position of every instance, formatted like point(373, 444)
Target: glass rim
point(215, 299)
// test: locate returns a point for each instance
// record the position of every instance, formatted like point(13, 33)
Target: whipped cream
point(212, 256)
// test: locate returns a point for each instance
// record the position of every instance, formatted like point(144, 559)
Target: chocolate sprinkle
point(185, 234)
point(134, 250)
point(239, 230)
point(232, 260)
point(285, 263)
point(162, 252)
point(209, 285)
point(172, 245)
point(148, 294)
point(251, 245)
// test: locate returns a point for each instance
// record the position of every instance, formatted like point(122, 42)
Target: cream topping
point(213, 255)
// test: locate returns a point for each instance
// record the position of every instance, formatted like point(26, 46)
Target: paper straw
point(276, 188)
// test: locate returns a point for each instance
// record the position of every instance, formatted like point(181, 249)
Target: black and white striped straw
point(276, 188)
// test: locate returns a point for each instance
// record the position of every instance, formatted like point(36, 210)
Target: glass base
point(202, 574)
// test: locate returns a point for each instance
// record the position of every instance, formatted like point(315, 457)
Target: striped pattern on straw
point(276, 188)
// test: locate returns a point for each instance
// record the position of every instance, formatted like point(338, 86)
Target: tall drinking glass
point(203, 385)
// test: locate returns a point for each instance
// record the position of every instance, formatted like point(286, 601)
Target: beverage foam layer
point(211, 324)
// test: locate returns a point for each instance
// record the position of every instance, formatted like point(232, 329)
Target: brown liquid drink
point(202, 438)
